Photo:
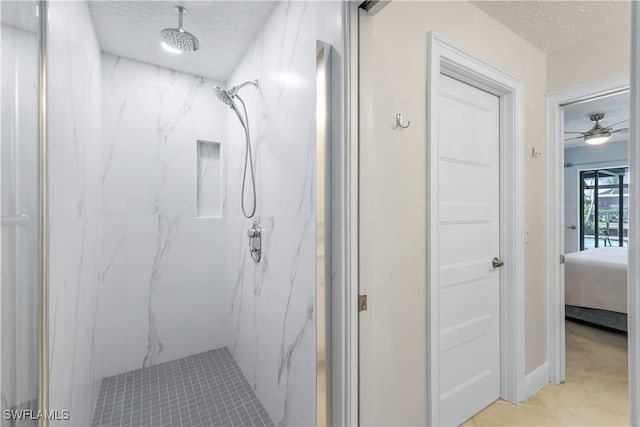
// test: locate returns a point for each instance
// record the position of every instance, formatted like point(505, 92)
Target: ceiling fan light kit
point(596, 139)
point(598, 134)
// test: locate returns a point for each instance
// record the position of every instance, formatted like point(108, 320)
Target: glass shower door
point(19, 211)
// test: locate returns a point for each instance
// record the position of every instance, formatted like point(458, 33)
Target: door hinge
point(362, 303)
point(561, 259)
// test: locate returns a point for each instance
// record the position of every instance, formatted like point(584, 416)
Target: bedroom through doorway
point(596, 219)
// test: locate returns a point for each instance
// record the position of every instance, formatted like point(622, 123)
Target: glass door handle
point(572, 227)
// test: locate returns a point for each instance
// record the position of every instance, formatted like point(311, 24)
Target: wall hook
point(399, 122)
point(535, 154)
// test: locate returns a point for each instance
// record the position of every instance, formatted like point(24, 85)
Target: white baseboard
point(536, 379)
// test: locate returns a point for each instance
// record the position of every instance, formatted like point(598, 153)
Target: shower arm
point(180, 11)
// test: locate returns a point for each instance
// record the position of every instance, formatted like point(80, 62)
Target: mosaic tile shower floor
point(206, 389)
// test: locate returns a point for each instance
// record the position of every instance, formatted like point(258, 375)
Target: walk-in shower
point(154, 188)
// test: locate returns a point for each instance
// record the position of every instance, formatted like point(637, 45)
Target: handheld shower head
point(228, 96)
point(234, 90)
point(223, 96)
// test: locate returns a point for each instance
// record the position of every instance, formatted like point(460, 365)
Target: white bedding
point(597, 278)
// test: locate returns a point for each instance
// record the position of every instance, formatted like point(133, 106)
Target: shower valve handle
point(255, 242)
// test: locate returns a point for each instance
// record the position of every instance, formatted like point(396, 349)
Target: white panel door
point(469, 236)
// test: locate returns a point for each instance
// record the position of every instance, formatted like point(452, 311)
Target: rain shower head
point(177, 40)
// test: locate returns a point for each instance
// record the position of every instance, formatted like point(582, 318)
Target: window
point(604, 205)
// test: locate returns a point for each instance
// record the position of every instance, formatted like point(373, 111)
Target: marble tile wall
point(75, 161)
point(162, 286)
point(271, 311)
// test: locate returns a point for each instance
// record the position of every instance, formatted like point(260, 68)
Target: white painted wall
point(393, 187)
point(584, 158)
point(574, 65)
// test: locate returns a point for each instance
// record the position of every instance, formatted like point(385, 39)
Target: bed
point(596, 286)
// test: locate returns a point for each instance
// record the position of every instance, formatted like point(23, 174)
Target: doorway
point(596, 213)
point(588, 265)
point(592, 229)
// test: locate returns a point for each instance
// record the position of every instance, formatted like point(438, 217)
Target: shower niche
point(209, 183)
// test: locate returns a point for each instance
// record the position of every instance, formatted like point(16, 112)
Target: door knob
point(572, 227)
point(497, 262)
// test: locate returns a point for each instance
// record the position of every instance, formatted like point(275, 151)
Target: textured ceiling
point(553, 25)
point(615, 108)
point(225, 30)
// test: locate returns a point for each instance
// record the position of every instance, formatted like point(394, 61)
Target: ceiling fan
point(598, 134)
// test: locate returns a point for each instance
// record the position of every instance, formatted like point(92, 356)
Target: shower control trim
point(255, 242)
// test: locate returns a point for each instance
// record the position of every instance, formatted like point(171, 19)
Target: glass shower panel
point(19, 207)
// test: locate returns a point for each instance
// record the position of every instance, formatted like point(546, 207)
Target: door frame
point(634, 218)
point(555, 211)
point(345, 341)
point(451, 60)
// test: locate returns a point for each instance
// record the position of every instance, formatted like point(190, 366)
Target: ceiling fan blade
point(617, 123)
point(625, 130)
point(576, 137)
point(581, 133)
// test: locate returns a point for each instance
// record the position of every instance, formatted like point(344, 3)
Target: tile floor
point(596, 392)
point(206, 389)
